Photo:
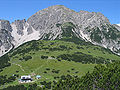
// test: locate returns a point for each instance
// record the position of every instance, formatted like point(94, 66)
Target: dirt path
point(19, 66)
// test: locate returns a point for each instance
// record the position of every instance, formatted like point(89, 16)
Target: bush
point(45, 72)
point(68, 70)
point(48, 69)
point(26, 58)
point(53, 56)
point(55, 71)
point(72, 69)
point(44, 57)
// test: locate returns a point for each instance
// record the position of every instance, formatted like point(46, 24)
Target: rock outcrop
point(5, 37)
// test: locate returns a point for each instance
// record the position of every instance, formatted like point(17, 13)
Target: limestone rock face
point(5, 36)
point(53, 22)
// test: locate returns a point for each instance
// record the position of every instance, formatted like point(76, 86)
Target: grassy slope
point(37, 65)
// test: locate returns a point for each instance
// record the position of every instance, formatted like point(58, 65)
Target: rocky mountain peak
point(56, 7)
point(60, 14)
point(57, 21)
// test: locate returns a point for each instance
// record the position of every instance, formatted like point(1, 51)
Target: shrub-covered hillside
point(52, 60)
point(102, 78)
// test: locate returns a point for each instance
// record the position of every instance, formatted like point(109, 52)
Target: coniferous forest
point(102, 78)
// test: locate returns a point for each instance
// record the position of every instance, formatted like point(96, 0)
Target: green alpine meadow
point(59, 62)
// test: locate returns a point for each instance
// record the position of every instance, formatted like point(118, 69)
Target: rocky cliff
point(55, 22)
point(6, 38)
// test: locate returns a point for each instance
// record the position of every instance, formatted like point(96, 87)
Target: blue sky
point(22, 9)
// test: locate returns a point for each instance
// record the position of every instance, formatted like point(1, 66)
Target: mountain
point(61, 46)
point(57, 22)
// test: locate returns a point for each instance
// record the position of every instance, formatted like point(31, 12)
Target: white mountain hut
point(25, 79)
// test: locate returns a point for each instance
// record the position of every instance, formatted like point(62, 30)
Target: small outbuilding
point(38, 77)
